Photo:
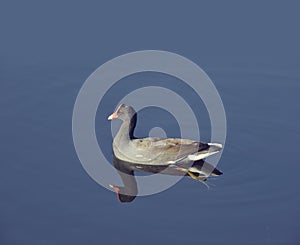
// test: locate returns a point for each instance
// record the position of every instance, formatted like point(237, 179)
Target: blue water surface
point(249, 50)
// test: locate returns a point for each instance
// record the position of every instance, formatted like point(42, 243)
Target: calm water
point(48, 198)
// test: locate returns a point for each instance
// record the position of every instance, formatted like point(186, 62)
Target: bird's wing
point(164, 151)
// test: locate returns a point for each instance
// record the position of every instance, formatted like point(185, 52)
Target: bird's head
point(123, 112)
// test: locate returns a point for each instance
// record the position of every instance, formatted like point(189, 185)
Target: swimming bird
point(172, 156)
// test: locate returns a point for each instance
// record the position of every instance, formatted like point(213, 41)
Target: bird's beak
point(115, 188)
point(113, 116)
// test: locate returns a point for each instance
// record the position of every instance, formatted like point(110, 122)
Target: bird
point(173, 156)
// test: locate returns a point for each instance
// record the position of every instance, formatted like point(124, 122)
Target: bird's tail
point(205, 151)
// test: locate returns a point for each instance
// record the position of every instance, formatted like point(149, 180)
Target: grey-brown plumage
point(171, 156)
point(161, 151)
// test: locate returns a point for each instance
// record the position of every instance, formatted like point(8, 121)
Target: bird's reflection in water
point(199, 170)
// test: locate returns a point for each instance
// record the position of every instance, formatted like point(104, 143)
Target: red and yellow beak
point(115, 114)
point(115, 188)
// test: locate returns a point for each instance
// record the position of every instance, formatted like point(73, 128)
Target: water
point(47, 197)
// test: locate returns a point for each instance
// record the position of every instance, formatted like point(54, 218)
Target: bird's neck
point(125, 133)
